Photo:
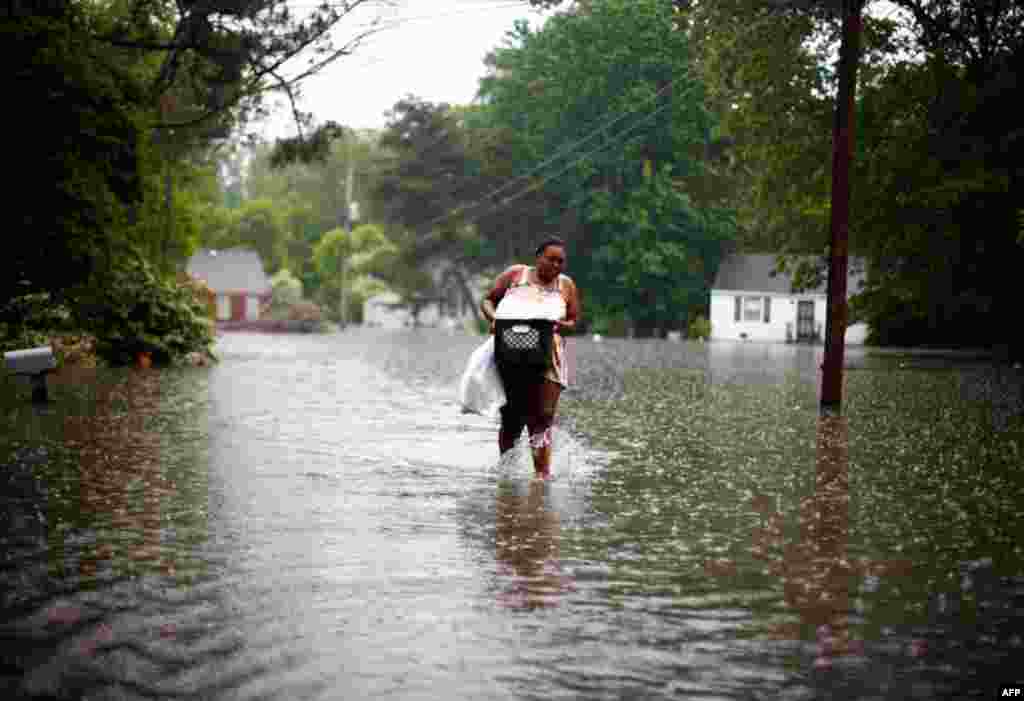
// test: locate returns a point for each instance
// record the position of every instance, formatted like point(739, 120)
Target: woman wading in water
point(537, 292)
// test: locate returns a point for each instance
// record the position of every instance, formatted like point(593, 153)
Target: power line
point(573, 144)
point(415, 18)
point(508, 200)
point(569, 147)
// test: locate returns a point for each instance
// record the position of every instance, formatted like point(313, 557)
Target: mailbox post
point(33, 363)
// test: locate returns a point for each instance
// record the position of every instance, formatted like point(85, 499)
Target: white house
point(450, 308)
point(237, 279)
point(748, 302)
point(383, 310)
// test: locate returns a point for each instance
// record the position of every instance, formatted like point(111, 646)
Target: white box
point(30, 361)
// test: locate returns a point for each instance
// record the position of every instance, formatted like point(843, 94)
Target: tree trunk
point(835, 320)
point(467, 293)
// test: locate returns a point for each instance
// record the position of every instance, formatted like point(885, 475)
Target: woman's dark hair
point(553, 241)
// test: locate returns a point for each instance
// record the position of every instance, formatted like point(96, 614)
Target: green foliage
point(130, 308)
point(218, 227)
point(287, 305)
point(429, 179)
point(768, 80)
point(305, 149)
point(700, 328)
point(286, 288)
point(310, 197)
point(70, 198)
point(349, 259)
point(141, 121)
point(29, 321)
point(615, 77)
point(936, 170)
point(259, 226)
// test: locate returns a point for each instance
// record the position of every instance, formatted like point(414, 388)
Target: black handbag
point(523, 344)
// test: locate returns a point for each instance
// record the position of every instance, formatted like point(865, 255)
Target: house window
point(223, 307)
point(753, 309)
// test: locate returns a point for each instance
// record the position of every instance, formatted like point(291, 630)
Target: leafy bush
point(201, 292)
point(286, 303)
point(286, 289)
point(305, 311)
point(130, 309)
point(27, 321)
point(74, 349)
point(700, 328)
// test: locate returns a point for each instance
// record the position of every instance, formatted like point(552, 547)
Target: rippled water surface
point(313, 518)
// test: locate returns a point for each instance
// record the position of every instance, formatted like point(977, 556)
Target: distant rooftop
point(230, 270)
point(752, 272)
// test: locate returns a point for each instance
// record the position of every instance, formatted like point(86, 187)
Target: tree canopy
point(937, 159)
point(150, 87)
point(605, 115)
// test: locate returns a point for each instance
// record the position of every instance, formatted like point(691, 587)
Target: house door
point(237, 307)
point(805, 320)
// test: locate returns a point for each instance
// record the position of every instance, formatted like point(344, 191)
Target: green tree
point(347, 263)
point(428, 188)
point(311, 195)
point(70, 199)
point(936, 153)
point(147, 85)
point(260, 227)
point(606, 116)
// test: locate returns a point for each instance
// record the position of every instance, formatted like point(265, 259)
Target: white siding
point(820, 315)
point(724, 326)
point(252, 308)
point(223, 307)
point(377, 313)
point(856, 334)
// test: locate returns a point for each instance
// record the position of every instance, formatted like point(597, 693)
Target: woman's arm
point(489, 304)
point(572, 309)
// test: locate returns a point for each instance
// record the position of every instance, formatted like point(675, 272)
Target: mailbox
point(34, 363)
point(30, 361)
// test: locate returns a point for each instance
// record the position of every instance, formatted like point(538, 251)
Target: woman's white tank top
point(527, 300)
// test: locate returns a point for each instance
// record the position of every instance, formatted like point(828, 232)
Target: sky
point(433, 49)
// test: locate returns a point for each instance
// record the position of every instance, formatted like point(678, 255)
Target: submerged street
point(314, 518)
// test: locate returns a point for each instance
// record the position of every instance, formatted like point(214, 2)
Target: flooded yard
point(313, 518)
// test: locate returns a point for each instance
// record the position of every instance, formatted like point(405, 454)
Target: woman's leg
point(541, 417)
point(513, 414)
point(512, 423)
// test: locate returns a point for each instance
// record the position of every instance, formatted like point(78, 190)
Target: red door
point(237, 307)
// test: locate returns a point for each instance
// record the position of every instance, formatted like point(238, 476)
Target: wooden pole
point(348, 239)
point(842, 157)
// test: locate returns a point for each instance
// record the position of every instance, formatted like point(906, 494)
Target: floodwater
point(313, 518)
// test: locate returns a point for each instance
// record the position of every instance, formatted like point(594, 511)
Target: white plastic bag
point(480, 390)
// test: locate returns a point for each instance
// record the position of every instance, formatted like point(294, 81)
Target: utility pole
point(839, 220)
point(348, 238)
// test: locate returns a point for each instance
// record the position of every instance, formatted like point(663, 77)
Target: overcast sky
point(433, 49)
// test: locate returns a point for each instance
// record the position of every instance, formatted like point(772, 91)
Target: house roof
point(752, 272)
point(230, 270)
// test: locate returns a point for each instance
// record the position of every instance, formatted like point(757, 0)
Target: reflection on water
point(815, 571)
point(118, 481)
point(528, 538)
point(314, 518)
